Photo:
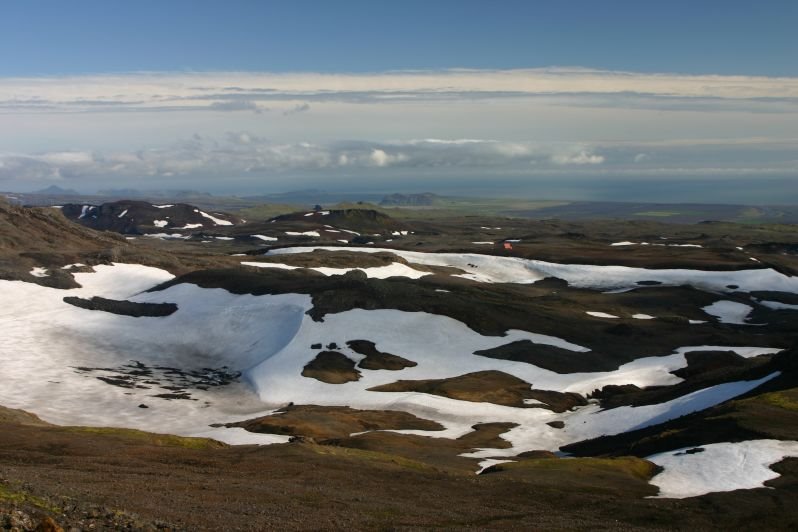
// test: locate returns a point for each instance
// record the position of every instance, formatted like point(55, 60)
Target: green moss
point(372, 456)
point(162, 440)
point(628, 465)
point(10, 495)
point(658, 214)
point(787, 399)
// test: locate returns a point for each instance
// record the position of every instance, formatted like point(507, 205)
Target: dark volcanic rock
point(331, 367)
point(376, 359)
point(124, 308)
point(487, 387)
point(552, 358)
point(324, 422)
point(701, 362)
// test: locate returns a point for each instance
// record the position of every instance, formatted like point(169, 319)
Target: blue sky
point(248, 96)
point(709, 36)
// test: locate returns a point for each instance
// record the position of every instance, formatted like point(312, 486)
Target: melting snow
point(122, 214)
point(518, 270)
point(217, 221)
point(719, 467)
point(267, 337)
point(160, 223)
point(164, 206)
point(306, 233)
point(729, 312)
point(484, 464)
point(271, 265)
point(191, 226)
point(212, 328)
point(167, 235)
point(39, 272)
point(396, 269)
point(601, 314)
point(777, 305)
point(266, 238)
point(642, 317)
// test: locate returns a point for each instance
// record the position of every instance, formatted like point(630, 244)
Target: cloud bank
point(268, 131)
point(230, 91)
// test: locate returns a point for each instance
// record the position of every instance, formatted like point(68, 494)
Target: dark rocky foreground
point(113, 479)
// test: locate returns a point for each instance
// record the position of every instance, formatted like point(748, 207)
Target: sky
point(643, 101)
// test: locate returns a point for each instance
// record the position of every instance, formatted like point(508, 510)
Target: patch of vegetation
point(160, 440)
point(18, 497)
point(627, 465)
point(371, 456)
point(658, 214)
point(787, 399)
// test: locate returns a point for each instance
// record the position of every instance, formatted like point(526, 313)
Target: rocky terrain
point(368, 372)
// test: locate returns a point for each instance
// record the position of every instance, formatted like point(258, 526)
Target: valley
point(460, 370)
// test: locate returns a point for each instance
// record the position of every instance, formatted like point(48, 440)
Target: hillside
point(427, 360)
point(138, 217)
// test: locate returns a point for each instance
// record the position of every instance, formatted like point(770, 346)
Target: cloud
point(244, 155)
point(291, 92)
point(581, 158)
point(236, 105)
point(298, 108)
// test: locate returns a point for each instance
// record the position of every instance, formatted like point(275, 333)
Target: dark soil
point(376, 359)
point(81, 479)
point(123, 308)
point(487, 387)
point(550, 357)
point(325, 422)
point(331, 367)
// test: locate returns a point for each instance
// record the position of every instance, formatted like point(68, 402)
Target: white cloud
point(640, 157)
point(291, 92)
point(379, 157)
point(581, 158)
point(241, 154)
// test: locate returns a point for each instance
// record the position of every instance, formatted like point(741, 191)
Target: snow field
point(492, 269)
point(719, 467)
point(269, 338)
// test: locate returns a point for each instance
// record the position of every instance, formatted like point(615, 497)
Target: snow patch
point(729, 312)
point(217, 221)
point(518, 270)
point(689, 472)
point(600, 314)
point(484, 464)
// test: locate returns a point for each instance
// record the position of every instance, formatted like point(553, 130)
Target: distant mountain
point(137, 217)
point(314, 197)
point(135, 193)
point(410, 200)
point(361, 220)
point(54, 190)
